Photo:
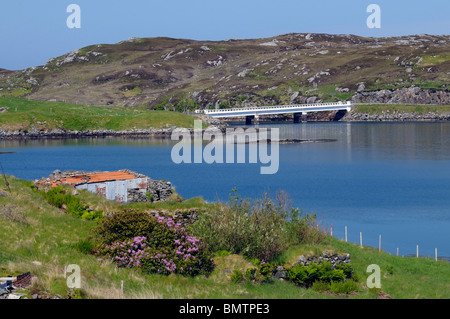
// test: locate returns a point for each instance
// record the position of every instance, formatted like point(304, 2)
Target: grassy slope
point(24, 114)
point(39, 238)
point(419, 109)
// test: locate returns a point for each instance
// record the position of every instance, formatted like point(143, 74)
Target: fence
point(436, 257)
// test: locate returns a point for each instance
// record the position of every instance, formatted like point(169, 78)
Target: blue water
point(388, 179)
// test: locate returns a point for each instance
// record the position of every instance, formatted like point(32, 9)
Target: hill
point(182, 74)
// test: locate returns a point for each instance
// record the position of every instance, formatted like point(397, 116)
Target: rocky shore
point(395, 116)
point(59, 133)
point(392, 116)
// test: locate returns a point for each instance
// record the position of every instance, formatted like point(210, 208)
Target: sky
point(33, 31)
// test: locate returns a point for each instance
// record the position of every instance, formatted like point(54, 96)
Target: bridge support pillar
point(304, 116)
point(339, 114)
point(301, 116)
point(248, 119)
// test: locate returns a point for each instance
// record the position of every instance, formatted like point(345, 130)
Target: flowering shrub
point(165, 248)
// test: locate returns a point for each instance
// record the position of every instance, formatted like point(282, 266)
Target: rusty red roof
point(89, 178)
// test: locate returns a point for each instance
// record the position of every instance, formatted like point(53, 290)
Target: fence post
point(417, 251)
point(379, 243)
point(345, 233)
point(360, 240)
point(435, 254)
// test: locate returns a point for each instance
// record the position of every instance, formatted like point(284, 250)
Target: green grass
point(24, 114)
point(195, 202)
point(42, 239)
point(420, 109)
point(434, 60)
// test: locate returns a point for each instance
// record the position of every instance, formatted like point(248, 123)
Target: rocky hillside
point(180, 74)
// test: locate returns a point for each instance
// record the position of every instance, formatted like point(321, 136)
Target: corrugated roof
point(91, 178)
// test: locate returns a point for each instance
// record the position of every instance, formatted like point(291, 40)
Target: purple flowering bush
point(159, 246)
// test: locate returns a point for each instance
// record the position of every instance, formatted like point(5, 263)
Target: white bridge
point(299, 110)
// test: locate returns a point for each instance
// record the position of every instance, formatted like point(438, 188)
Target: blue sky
point(32, 31)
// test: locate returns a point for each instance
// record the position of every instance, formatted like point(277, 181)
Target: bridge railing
point(289, 106)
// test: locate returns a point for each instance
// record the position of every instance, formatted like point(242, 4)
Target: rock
point(311, 100)
point(361, 87)
point(301, 259)
point(411, 95)
point(280, 273)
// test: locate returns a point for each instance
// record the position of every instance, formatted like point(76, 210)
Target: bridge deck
point(279, 109)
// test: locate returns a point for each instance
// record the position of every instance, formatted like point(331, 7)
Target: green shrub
point(55, 196)
point(124, 225)
point(237, 277)
point(298, 275)
point(250, 274)
point(58, 197)
point(306, 275)
point(257, 229)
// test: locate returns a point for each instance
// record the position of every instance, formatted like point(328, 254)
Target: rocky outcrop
point(411, 95)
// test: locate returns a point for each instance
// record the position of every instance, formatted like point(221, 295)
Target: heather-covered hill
point(181, 74)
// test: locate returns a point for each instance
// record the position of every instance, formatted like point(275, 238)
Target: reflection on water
point(376, 178)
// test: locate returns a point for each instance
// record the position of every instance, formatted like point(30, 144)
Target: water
point(388, 179)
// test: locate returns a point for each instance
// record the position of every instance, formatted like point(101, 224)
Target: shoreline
point(163, 133)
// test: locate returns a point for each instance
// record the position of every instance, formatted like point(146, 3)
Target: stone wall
point(335, 258)
point(159, 190)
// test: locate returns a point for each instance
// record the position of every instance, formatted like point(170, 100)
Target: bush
point(125, 225)
point(258, 274)
point(55, 196)
point(58, 197)
point(154, 245)
point(237, 277)
point(257, 229)
point(306, 276)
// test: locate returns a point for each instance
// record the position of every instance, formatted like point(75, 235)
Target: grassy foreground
point(23, 114)
point(37, 237)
